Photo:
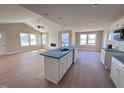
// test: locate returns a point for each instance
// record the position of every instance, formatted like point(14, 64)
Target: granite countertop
point(120, 58)
point(56, 53)
point(112, 50)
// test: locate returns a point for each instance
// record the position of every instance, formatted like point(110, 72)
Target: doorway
point(2, 44)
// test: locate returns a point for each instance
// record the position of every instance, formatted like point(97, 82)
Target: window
point(0, 36)
point(65, 39)
point(33, 39)
point(44, 39)
point(24, 37)
point(87, 39)
point(91, 39)
point(83, 39)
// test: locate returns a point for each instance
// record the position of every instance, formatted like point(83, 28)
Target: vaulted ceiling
point(15, 14)
point(79, 16)
point(72, 16)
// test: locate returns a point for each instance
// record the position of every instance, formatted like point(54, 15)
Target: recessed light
point(60, 18)
point(93, 21)
point(95, 5)
point(46, 14)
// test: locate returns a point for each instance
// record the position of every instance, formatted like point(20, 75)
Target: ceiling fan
point(39, 26)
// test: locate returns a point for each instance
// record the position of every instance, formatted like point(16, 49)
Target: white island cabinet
point(56, 68)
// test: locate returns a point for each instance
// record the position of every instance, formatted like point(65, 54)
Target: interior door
point(2, 44)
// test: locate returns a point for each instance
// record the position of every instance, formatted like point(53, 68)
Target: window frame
point(22, 40)
point(83, 39)
point(91, 44)
point(33, 39)
point(88, 39)
point(63, 43)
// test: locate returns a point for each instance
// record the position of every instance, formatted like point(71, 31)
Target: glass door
point(65, 39)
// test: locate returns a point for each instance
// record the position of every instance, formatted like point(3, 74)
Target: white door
point(2, 44)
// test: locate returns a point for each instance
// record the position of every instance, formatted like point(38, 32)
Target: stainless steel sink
point(63, 49)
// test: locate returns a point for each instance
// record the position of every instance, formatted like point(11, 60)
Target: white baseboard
point(14, 52)
point(20, 51)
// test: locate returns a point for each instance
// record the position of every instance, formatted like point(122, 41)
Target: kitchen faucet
point(62, 45)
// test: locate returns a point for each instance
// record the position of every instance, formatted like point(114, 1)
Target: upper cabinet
point(118, 24)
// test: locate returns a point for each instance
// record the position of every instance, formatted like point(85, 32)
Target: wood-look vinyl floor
point(26, 70)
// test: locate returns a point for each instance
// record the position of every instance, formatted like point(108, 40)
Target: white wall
point(53, 38)
point(12, 34)
point(96, 47)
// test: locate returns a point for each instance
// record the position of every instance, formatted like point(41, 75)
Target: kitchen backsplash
point(120, 45)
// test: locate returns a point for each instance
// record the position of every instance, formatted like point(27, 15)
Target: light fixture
point(46, 14)
point(95, 5)
point(39, 26)
point(92, 21)
point(60, 18)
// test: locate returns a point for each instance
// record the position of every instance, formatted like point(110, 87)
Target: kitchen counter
point(57, 62)
point(57, 53)
point(120, 58)
point(112, 50)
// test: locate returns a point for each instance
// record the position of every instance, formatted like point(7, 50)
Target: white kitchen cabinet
point(121, 78)
point(56, 68)
point(117, 73)
point(106, 57)
point(75, 54)
point(63, 66)
point(102, 57)
point(69, 60)
point(51, 69)
point(65, 63)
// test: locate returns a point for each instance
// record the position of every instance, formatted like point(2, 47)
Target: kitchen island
point(58, 61)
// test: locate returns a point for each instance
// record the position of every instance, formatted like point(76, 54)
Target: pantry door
point(2, 44)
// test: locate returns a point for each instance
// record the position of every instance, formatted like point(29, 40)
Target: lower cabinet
point(106, 57)
point(51, 66)
point(65, 63)
point(102, 56)
point(121, 78)
point(117, 73)
point(56, 68)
